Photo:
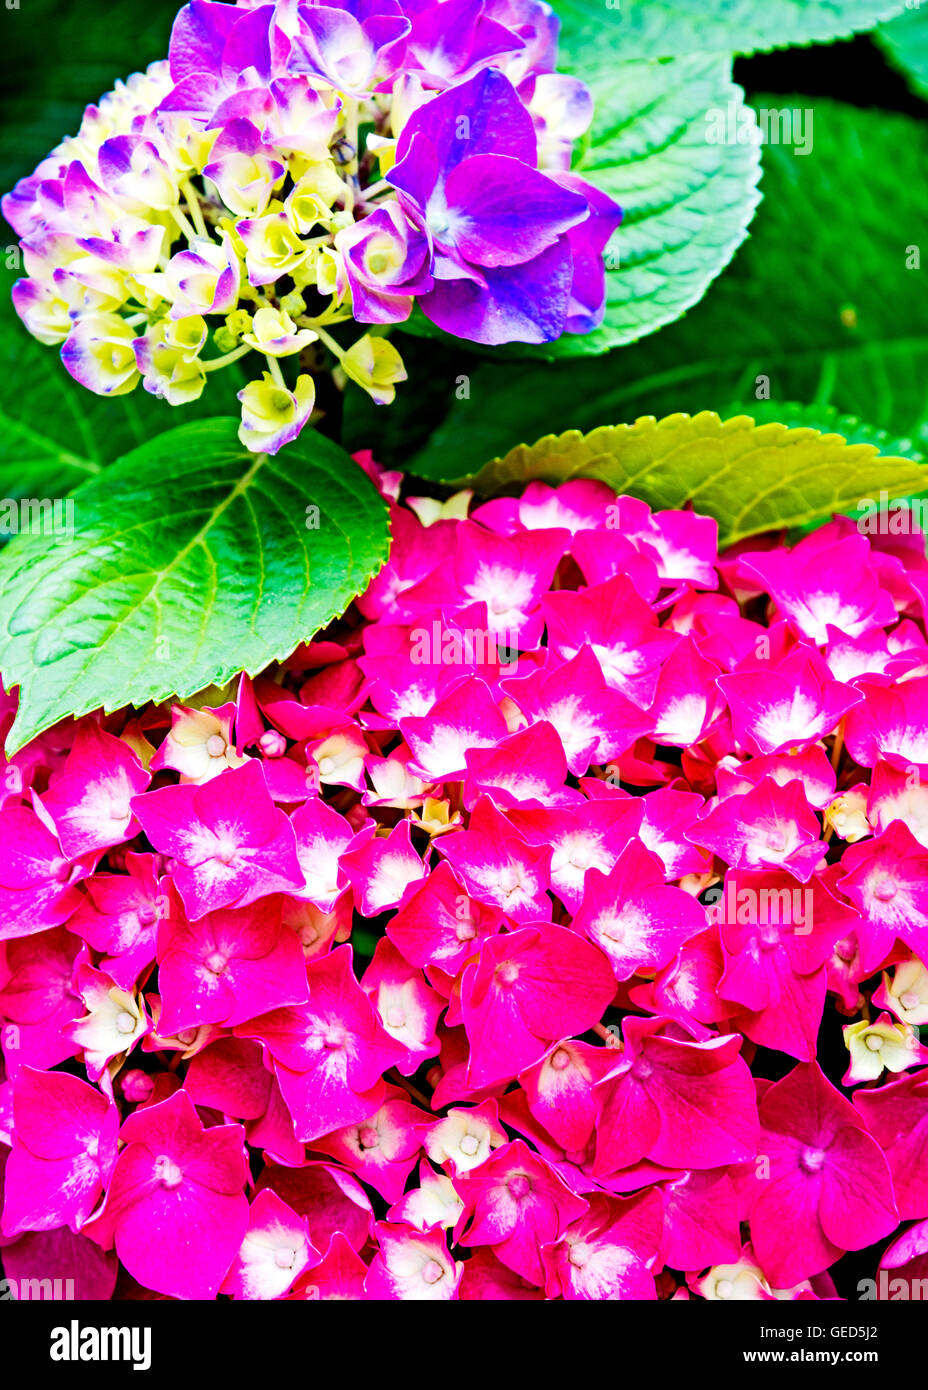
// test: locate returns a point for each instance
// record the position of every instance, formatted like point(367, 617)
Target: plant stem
point(330, 342)
point(275, 371)
point(196, 212)
point(407, 1085)
point(183, 223)
point(838, 746)
point(374, 190)
point(213, 364)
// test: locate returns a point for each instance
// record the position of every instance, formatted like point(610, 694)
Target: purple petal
point(502, 213)
point(521, 304)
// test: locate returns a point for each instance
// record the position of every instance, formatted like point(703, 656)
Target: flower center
point(167, 1171)
point(272, 744)
point(579, 1254)
point(368, 1137)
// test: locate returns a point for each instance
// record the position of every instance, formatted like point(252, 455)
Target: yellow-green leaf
point(750, 477)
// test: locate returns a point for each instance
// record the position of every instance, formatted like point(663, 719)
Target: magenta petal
point(857, 1206)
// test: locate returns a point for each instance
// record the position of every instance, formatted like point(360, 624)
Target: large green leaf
point(750, 477)
point(668, 28)
point(687, 199)
point(905, 43)
point(820, 306)
point(190, 560)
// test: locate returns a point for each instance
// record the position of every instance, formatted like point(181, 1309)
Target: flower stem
point(351, 134)
point(374, 190)
point(196, 212)
point(838, 746)
point(183, 223)
point(213, 364)
point(275, 371)
point(330, 342)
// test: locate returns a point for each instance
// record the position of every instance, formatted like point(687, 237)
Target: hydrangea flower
point(293, 168)
point(497, 943)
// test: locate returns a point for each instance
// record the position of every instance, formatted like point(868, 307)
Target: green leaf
point(668, 28)
point(687, 200)
point(821, 302)
point(190, 560)
point(829, 421)
point(905, 43)
point(826, 419)
point(750, 477)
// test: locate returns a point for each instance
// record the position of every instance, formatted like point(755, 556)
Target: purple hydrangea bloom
point(294, 166)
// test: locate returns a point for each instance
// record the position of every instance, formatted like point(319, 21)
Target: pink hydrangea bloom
point(552, 926)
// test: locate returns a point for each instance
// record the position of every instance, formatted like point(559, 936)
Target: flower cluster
point(496, 944)
point(294, 166)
